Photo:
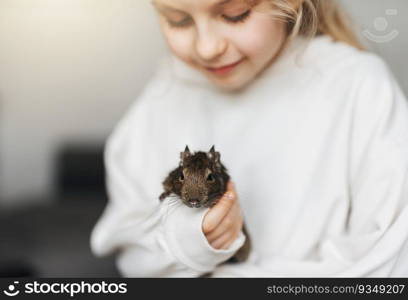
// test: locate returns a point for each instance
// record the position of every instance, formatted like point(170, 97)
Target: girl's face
point(230, 41)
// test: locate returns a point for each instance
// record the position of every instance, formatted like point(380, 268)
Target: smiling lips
point(224, 69)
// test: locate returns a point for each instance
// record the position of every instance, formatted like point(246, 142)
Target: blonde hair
point(310, 18)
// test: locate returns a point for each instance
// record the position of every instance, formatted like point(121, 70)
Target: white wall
point(366, 12)
point(70, 68)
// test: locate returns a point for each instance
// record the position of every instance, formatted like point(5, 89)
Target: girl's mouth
point(224, 69)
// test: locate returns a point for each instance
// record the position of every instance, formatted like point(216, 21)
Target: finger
point(222, 228)
point(225, 241)
point(227, 223)
point(215, 215)
point(231, 188)
point(222, 240)
point(229, 242)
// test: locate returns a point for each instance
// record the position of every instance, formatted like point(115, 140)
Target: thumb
point(215, 215)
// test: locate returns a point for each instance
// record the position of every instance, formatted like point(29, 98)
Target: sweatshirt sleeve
point(150, 239)
point(375, 240)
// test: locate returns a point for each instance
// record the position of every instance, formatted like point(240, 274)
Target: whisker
point(172, 203)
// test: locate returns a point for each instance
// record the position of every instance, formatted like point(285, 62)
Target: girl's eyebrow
point(162, 8)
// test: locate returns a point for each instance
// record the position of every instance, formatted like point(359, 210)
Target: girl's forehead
point(179, 4)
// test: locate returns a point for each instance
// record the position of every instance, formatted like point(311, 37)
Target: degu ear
point(183, 155)
point(214, 155)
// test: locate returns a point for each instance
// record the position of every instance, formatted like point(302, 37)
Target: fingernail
point(230, 195)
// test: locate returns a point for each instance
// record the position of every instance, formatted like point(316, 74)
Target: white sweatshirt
point(317, 147)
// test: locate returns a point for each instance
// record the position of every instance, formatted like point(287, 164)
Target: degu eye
point(181, 178)
point(210, 177)
point(239, 18)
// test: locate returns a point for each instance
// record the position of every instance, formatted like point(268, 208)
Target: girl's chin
point(232, 84)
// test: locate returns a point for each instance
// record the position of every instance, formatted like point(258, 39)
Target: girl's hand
point(223, 222)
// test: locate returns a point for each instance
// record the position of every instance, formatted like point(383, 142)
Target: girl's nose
point(209, 44)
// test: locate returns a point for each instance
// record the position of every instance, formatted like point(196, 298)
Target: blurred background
point(69, 69)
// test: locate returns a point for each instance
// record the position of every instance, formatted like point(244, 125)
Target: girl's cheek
point(180, 44)
point(259, 37)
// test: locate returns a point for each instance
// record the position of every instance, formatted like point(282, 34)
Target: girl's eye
point(188, 20)
point(183, 23)
point(210, 177)
point(239, 18)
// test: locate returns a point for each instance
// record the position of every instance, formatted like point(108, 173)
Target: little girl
point(313, 131)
